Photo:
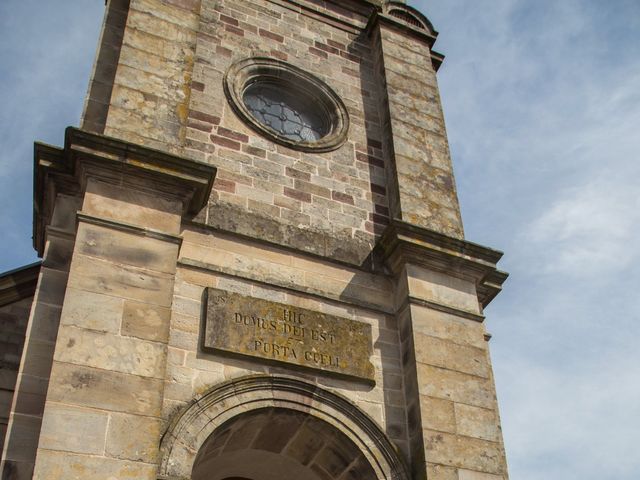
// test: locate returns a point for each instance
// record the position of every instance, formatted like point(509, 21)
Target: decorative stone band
point(193, 425)
point(404, 243)
point(65, 170)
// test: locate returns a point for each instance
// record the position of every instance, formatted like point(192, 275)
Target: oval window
point(286, 104)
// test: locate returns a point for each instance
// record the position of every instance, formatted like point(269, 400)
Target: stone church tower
point(253, 261)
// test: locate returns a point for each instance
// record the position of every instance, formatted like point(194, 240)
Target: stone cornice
point(19, 283)
point(427, 37)
point(403, 243)
point(65, 171)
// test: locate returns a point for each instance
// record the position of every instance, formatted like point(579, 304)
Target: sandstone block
point(455, 386)
point(148, 322)
point(447, 327)
point(445, 354)
point(91, 387)
point(92, 311)
point(133, 207)
point(477, 422)
point(67, 466)
point(442, 288)
point(464, 452)
point(110, 352)
point(470, 475)
point(437, 414)
point(73, 429)
point(134, 283)
point(133, 437)
point(126, 248)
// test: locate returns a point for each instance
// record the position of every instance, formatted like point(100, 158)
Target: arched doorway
point(276, 443)
point(264, 427)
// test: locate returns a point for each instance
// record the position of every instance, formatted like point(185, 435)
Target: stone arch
point(237, 403)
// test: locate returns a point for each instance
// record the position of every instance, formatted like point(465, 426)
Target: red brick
point(363, 157)
point(280, 55)
point(225, 142)
point(374, 228)
point(326, 48)
point(338, 45)
point(382, 210)
point(317, 52)
point(350, 71)
point(235, 30)
point(297, 194)
point(378, 189)
point(229, 20)
point(205, 117)
point(203, 127)
point(342, 197)
point(240, 137)
point(374, 143)
point(224, 185)
point(380, 219)
point(258, 152)
point(271, 35)
point(225, 52)
point(350, 57)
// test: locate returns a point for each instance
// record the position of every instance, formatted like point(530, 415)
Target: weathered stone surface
point(442, 288)
point(448, 327)
point(92, 311)
point(455, 386)
point(90, 387)
point(440, 472)
point(437, 414)
point(133, 437)
point(126, 248)
point(465, 452)
point(445, 354)
point(275, 331)
point(133, 207)
point(145, 321)
point(133, 283)
point(73, 429)
point(477, 422)
point(67, 466)
point(470, 475)
point(111, 352)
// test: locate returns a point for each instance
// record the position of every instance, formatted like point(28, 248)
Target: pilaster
point(420, 177)
point(110, 247)
point(442, 286)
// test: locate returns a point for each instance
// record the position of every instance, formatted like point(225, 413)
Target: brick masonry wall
point(338, 197)
point(168, 94)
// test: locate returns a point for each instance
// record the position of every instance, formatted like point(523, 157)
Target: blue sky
point(542, 101)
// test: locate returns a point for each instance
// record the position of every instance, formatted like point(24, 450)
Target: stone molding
point(129, 228)
point(428, 35)
point(19, 283)
point(194, 424)
point(250, 71)
point(65, 170)
point(404, 243)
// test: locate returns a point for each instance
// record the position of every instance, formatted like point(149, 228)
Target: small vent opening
point(407, 17)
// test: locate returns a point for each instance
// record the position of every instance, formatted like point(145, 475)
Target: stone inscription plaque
point(275, 331)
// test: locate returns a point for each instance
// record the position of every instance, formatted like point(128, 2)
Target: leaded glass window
point(288, 114)
point(286, 104)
